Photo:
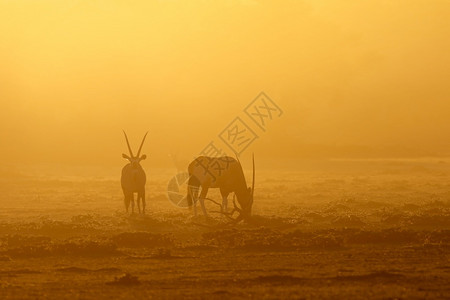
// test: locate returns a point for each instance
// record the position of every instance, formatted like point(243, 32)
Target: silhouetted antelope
point(133, 178)
point(226, 174)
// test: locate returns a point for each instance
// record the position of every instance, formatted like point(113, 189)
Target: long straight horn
point(253, 182)
point(139, 152)
point(128, 144)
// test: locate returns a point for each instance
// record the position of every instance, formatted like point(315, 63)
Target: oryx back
point(133, 179)
point(218, 172)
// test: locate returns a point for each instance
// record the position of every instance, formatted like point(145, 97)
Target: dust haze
point(351, 195)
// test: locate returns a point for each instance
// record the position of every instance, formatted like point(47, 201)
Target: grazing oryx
point(226, 174)
point(133, 178)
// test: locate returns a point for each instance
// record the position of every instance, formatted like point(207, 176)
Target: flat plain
point(359, 229)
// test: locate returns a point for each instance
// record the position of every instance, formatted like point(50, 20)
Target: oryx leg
point(138, 202)
point(202, 200)
point(132, 203)
point(143, 201)
point(192, 195)
point(194, 204)
point(195, 198)
point(224, 206)
point(127, 199)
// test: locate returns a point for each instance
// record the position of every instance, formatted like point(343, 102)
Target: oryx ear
point(143, 157)
point(125, 156)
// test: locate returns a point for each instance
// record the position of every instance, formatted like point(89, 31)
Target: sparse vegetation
point(348, 234)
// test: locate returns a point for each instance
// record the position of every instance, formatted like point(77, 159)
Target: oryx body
point(133, 178)
point(224, 173)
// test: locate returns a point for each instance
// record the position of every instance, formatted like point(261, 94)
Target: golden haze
point(347, 197)
point(354, 78)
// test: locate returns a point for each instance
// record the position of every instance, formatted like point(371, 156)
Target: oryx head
point(134, 160)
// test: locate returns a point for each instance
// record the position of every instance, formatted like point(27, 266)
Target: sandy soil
point(361, 230)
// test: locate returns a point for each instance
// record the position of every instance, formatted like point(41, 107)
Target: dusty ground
point(349, 230)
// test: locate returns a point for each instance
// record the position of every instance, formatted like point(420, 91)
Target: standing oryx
point(133, 178)
point(220, 172)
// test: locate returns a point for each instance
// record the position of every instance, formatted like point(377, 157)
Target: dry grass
point(379, 230)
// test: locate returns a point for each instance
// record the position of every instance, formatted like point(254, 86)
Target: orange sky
point(354, 78)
